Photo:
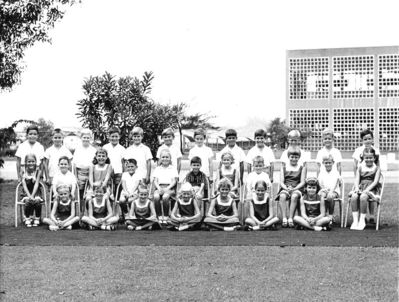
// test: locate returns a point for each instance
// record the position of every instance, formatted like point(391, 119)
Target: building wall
point(347, 90)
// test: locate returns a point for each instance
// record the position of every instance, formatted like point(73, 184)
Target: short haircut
point(113, 130)
point(369, 150)
point(260, 132)
point(230, 132)
point(142, 187)
point(101, 150)
point(294, 151)
point(199, 131)
point(327, 157)
point(64, 157)
point(32, 127)
point(167, 132)
point(196, 160)
point(365, 132)
point(165, 151)
point(63, 187)
point(57, 131)
point(258, 159)
point(228, 154)
point(327, 132)
point(137, 131)
point(261, 183)
point(131, 161)
point(312, 181)
point(30, 155)
point(186, 187)
point(294, 133)
point(225, 182)
point(86, 132)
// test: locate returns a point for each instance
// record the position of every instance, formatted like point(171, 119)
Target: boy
point(203, 152)
point(260, 149)
point(198, 180)
point(238, 153)
point(115, 155)
point(30, 146)
point(53, 155)
point(294, 138)
point(256, 175)
point(141, 153)
point(130, 184)
point(168, 136)
point(328, 149)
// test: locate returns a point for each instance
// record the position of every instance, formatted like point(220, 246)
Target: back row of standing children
point(132, 166)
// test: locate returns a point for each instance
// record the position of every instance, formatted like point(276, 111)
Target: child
point(329, 180)
point(141, 153)
point(312, 208)
point(261, 209)
point(366, 188)
point(31, 191)
point(328, 149)
point(64, 177)
point(130, 183)
point(203, 152)
point(167, 136)
point(30, 146)
point(115, 153)
point(53, 155)
point(165, 180)
point(198, 180)
point(186, 213)
point(82, 160)
point(292, 182)
point(227, 171)
point(62, 215)
point(294, 138)
point(222, 213)
point(142, 212)
point(238, 153)
point(256, 175)
point(260, 149)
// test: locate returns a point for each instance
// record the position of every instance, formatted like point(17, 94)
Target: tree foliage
point(279, 132)
point(125, 103)
point(22, 23)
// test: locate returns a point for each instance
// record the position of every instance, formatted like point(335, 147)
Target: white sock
point(362, 222)
point(355, 216)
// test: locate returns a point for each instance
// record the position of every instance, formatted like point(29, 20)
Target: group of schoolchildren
point(115, 185)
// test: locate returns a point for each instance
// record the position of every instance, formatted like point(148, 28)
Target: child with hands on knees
point(198, 180)
point(130, 183)
point(366, 188)
point(312, 208)
point(261, 214)
point(257, 174)
point(226, 170)
point(222, 213)
point(62, 215)
point(64, 177)
point(186, 213)
point(167, 136)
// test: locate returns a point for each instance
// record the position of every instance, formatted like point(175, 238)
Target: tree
point(45, 132)
point(22, 23)
point(278, 131)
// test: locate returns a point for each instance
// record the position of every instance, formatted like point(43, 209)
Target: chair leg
point(16, 215)
point(341, 213)
point(377, 226)
point(347, 212)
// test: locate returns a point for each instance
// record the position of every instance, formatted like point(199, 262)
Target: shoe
point(150, 228)
point(130, 227)
point(290, 223)
point(284, 224)
point(317, 228)
point(354, 225)
point(371, 220)
point(139, 228)
point(36, 222)
point(229, 229)
point(28, 222)
point(103, 227)
point(255, 228)
point(183, 227)
point(90, 227)
point(361, 225)
point(53, 228)
point(68, 227)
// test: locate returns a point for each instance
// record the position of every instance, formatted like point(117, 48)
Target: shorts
point(326, 191)
point(285, 192)
point(125, 196)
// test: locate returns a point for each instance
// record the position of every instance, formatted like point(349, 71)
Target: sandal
point(290, 223)
point(284, 224)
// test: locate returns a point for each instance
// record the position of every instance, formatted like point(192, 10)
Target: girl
point(31, 191)
point(165, 179)
point(186, 213)
point(313, 213)
point(366, 188)
point(222, 213)
point(142, 212)
point(261, 209)
point(82, 160)
point(62, 215)
point(64, 177)
point(291, 183)
point(227, 171)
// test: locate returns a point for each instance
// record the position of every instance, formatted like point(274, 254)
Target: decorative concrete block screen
point(388, 125)
point(314, 120)
point(388, 75)
point(353, 77)
point(308, 78)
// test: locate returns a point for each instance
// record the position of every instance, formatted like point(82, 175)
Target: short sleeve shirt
point(266, 153)
point(26, 148)
point(196, 179)
point(115, 154)
point(305, 156)
point(130, 180)
point(165, 175)
point(84, 156)
point(141, 154)
point(53, 155)
point(328, 180)
point(174, 152)
point(335, 153)
point(67, 179)
point(205, 153)
point(254, 177)
point(238, 154)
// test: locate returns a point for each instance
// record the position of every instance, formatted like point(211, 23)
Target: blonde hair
point(86, 132)
point(228, 154)
point(225, 182)
point(165, 151)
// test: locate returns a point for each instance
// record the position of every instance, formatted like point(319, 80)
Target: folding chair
point(378, 201)
point(171, 200)
point(20, 204)
point(76, 201)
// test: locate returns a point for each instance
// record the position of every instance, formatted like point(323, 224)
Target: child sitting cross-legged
point(222, 213)
point(312, 208)
point(226, 170)
point(186, 213)
point(63, 214)
point(261, 209)
point(142, 212)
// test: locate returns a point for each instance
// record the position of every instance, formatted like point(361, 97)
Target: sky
point(223, 58)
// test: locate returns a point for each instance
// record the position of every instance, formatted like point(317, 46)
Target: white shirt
point(165, 175)
point(359, 151)
point(26, 148)
point(205, 153)
point(305, 156)
point(67, 179)
point(131, 181)
point(265, 152)
point(254, 177)
point(83, 157)
point(238, 154)
point(174, 152)
point(53, 155)
point(141, 154)
point(115, 154)
point(335, 153)
point(328, 180)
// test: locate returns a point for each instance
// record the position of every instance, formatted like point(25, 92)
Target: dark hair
point(199, 131)
point(369, 150)
point(231, 132)
point(260, 183)
point(101, 150)
point(167, 132)
point(294, 151)
point(64, 157)
point(260, 132)
point(365, 132)
point(312, 181)
point(196, 160)
point(57, 131)
point(114, 130)
point(132, 161)
point(32, 127)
